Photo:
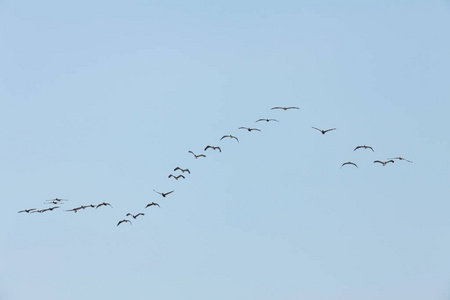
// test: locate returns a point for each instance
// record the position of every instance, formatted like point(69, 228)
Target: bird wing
point(378, 161)
point(390, 161)
point(256, 129)
point(233, 137)
point(169, 192)
point(244, 128)
point(259, 120)
point(177, 168)
point(273, 120)
point(158, 192)
point(330, 129)
point(357, 148)
point(170, 176)
point(207, 147)
point(277, 107)
point(140, 214)
point(292, 107)
point(201, 155)
point(129, 214)
point(370, 148)
point(317, 128)
point(223, 137)
point(220, 150)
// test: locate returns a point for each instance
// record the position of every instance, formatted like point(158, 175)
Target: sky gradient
point(101, 101)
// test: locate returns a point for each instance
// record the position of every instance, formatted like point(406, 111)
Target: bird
point(53, 202)
point(197, 156)
point(177, 177)
point(124, 221)
point(213, 147)
point(103, 204)
point(323, 131)
point(363, 146)
point(152, 204)
point(26, 210)
point(349, 163)
point(250, 129)
point(383, 162)
point(57, 200)
point(74, 209)
point(230, 136)
point(182, 170)
point(401, 158)
point(51, 208)
point(164, 194)
point(285, 108)
point(86, 206)
point(135, 216)
point(267, 120)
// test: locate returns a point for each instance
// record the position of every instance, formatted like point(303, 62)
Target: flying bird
point(152, 204)
point(197, 156)
point(26, 210)
point(285, 108)
point(229, 136)
point(57, 200)
point(213, 147)
point(74, 209)
point(164, 194)
point(401, 158)
point(182, 170)
point(177, 177)
point(365, 147)
point(250, 129)
point(349, 163)
point(323, 131)
point(103, 204)
point(267, 120)
point(124, 221)
point(135, 216)
point(383, 162)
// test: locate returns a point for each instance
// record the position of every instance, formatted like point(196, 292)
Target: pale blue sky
point(100, 101)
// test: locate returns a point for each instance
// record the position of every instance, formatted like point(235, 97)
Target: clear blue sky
point(100, 101)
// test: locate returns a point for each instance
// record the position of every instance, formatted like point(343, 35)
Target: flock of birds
point(58, 201)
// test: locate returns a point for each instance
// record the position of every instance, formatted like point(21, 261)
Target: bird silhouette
point(363, 146)
point(124, 221)
point(152, 204)
point(213, 147)
point(182, 170)
point(135, 216)
point(349, 163)
point(56, 200)
point(26, 210)
point(401, 158)
point(230, 136)
point(383, 162)
point(177, 177)
point(164, 194)
point(103, 204)
point(323, 131)
point(197, 156)
point(250, 129)
point(267, 120)
point(285, 108)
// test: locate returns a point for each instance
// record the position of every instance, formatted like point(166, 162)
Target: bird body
point(349, 163)
point(197, 156)
point(182, 170)
point(164, 194)
point(230, 136)
point(152, 204)
point(213, 147)
point(401, 158)
point(135, 216)
point(324, 131)
point(124, 221)
point(383, 162)
point(363, 146)
point(177, 177)
point(250, 129)
point(285, 108)
point(267, 120)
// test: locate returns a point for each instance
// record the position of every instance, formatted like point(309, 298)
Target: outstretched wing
point(292, 107)
point(277, 107)
point(244, 128)
point(317, 128)
point(379, 161)
point(357, 148)
point(157, 192)
point(329, 129)
point(169, 193)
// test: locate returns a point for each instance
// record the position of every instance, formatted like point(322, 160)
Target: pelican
point(164, 194)
point(182, 170)
point(323, 131)
point(285, 108)
point(197, 156)
point(135, 216)
point(401, 158)
point(26, 210)
point(213, 147)
point(365, 147)
point(267, 120)
point(124, 221)
point(383, 162)
point(177, 177)
point(229, 136)
point(152, 204)
point(250, 129)
point(103, 204)
point(349, 163)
